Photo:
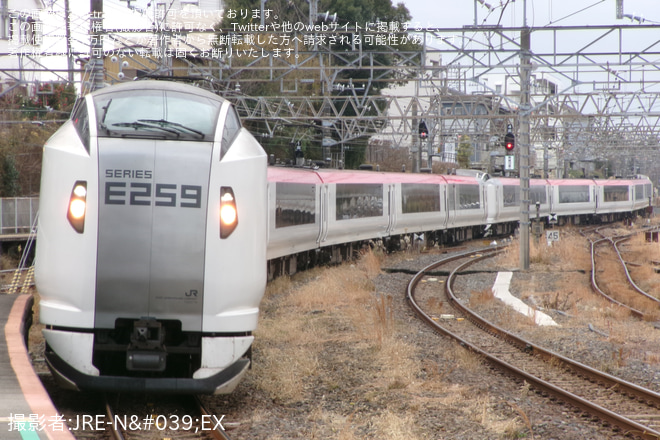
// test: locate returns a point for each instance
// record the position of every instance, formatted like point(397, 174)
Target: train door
point(392, 208)
point(323, 214)
point(484, 202)
point(450, 203)
point(596, 199)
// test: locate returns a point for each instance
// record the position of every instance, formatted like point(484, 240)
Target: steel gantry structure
point(593, 90)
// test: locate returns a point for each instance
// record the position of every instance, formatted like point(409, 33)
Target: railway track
point(604, 250)
point(127, 417)
point(632, 409)
point(180, 417)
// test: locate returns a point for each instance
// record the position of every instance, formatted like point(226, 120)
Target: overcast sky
point(425, 13)
point(448, 13)
point(458, 13)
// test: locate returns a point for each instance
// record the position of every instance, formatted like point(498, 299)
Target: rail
point(631, 423)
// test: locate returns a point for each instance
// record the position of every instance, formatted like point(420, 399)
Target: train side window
point(615, 193)
point(468, 197)
point(511, 195)
point(230, 130)
point(573, 193)
point(647, 192)
point(80, 119)
point(359, 200)
point(295, 204)
point(420, 198)
point(537, 194)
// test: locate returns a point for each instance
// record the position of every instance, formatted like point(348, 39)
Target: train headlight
point(228, 212)
point(78, 206)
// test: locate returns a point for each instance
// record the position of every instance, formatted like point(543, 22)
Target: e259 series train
point(158, 214)
point(151, 261)
point(319, 215)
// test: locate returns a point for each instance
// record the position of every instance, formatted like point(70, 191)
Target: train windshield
point(156, 114)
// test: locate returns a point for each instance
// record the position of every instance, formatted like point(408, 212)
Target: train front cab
point(154, 297)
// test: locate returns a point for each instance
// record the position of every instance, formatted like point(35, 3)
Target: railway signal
point(509, 141)
point(423, 131)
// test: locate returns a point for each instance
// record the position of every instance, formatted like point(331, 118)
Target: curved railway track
point(632, 409)
point(629, 296)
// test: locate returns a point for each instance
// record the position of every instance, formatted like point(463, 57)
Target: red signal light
point(509, 141)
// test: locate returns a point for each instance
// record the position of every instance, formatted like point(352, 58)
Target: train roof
point(316, 176)
point(619, 182)
point(157, 85)
point(514, 181)
point(302, 175)
point(294, 175)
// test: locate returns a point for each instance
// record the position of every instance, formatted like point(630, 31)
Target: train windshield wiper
point(165, 123)
point(141, 124)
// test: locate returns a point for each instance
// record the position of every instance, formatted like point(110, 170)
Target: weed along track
point(628, 408)
point(610, 277)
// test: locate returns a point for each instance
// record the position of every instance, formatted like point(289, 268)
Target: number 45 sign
point(552, 235)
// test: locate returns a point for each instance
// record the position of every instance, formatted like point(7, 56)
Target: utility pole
point(67, 33)
point(313, 11)
point(523, 136)
point(416, 155)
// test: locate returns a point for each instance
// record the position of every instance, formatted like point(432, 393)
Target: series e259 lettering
point(160, 194)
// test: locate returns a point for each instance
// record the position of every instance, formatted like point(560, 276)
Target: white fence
point(18, 214)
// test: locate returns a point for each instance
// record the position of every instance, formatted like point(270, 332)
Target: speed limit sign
point(552, 235)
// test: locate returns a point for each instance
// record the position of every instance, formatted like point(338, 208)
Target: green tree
point(26, 122)
point(259, 83)
point(464, 151)
point(10, 186)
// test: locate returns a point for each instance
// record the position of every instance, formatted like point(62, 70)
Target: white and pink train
point(319, 215)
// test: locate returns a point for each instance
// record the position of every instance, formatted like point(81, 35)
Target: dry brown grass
point(481, 297)
point(309, 330)
point(642, 254)
point(631, 340)
point(569, 253)
point(7, 262)
point(303, 323)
